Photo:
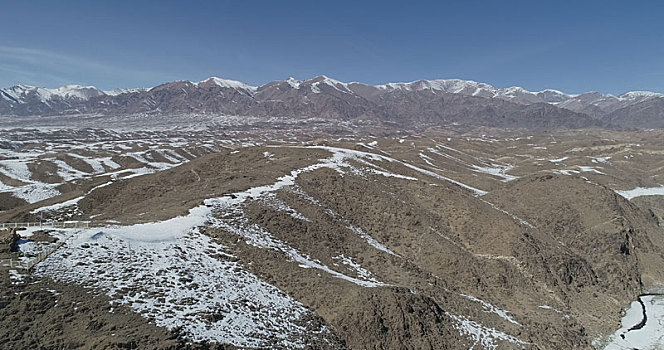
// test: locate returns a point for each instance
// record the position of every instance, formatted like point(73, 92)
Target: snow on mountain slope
point(594, 104)
point(76, 91)
point(452, 86)
point(24, 93)
point(554, 96)
point(116, 92)
point(226, 83)
point(638, 95)
point(323, 80)
point(472, 88)
point(29, 100)
point(315, 84)
point(20, 93)
point(294, 83)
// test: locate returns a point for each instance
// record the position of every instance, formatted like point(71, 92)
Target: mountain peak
point(294, 83)
point(118, 91)
point(227, 83)
point(639, 95)
point(25, 99)
point(21, 91)
point(316, 82)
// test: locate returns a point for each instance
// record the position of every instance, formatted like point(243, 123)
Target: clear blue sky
point(574, 46)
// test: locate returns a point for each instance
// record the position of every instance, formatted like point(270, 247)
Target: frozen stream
point(642, 191)
point(642, 326)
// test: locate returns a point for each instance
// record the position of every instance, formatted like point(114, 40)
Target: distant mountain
point(592, 103)
point(646, 113)
point(23, 93)
point(30, 100)
point(420, 103)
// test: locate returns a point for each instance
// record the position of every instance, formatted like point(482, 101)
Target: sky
point(572, 46)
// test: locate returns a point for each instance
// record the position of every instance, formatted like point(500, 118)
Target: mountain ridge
point(452, 85)
point(438, 102)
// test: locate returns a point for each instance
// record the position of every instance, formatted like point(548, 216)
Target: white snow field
point(149, 156)
point(642, 191)
point(178, 277)
point(650, 336)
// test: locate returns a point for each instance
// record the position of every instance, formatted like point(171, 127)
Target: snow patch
point(497, 170)
point(484, 336)
point(226, 83)
point(361, 271)
point(558, 160)
point(589, 169)
point(492, 309)
point(600, 159)
point(16, 278)
point(642, 191)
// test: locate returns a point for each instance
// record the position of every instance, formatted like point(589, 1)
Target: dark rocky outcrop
point(8, 241)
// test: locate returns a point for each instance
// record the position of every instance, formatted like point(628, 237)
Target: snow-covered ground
point(359, 270)
point(651, 336)
point(230, 216)
point(70, 203)
point(171, 273)
point(488, 307)
point(589, 169)
point(16, 167)
point(16, 277)
point(642, 191)
point(30, 249)
point(486, 337)
point(179, 277)
point(558, 160)
point(600, 159)
point(497, 170)
point(150, 156)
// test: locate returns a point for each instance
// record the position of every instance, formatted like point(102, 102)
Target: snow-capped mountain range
point(516, 94)
point(215, 95)
point(21, 93)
